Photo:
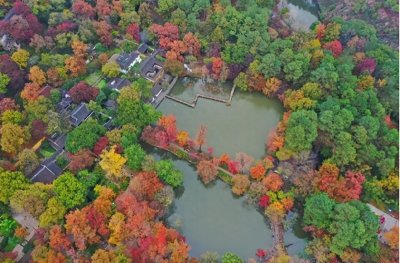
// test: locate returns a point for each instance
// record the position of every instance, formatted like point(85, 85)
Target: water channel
point(211, 218)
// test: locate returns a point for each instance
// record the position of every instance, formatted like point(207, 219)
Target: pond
point(211, 218)
point(241, 127)
point(302, 13)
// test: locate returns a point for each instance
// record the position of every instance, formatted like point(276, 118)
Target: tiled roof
point(79, 114)
point(125, 60)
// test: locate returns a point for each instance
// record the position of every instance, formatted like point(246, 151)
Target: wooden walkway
point(193, 103)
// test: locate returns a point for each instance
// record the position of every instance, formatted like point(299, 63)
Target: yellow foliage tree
point(112, 163)
point(36, 75)
point(13, 137)
point(117, 227)
point(21, 57)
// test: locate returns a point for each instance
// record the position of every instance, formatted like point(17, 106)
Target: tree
point(240, 184)
point(75, 65)
point(111, 69)
point(82, 159)
point(182, 138)
point(241, 81)
point(135, 155)
point(301, 130)
point(79, 48)
point(103, 30)
point(192, 43)
point(133, 31)
point(102, 255)
point(21, 57)
point(175, 67)
point(317, 210)
point(201, 136)
point(207, 171)
point(38, 130)
point(335, 47)
point(69, 190)
point(112, 163)
point(83, 92)
point(82, 8)
point(13, 137)
point(31, 91)
point(168, 173)
point(84, 136)
point(12, 116)
point(272, 85)
point(37, 76)
point(4, 80)
point(27, 161)
point(53, 214)
point(273, 182)
point(145, 185)
point(32, 200)
point(353, 226)
point(229, 257)
point(257, 172)
point(12, 70)
point(166, 34)
point(10, 182)
point(392, 237)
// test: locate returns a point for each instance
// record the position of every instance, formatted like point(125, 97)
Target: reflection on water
point(302, 13)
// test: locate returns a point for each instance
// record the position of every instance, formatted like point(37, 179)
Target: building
point(143, 48)
point(151, 69)
point(79, 114)
point(127, 61)
point(118, 83)
point(48, 170)
point(156, 91)
point(7, 42)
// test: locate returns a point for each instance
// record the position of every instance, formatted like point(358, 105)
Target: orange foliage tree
point(273, 182)
point(240, 184)
point(258, 171)
point(31, 91)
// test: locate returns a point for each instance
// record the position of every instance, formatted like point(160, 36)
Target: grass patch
point(46, 150)
point(93, 78)
point(225, 177)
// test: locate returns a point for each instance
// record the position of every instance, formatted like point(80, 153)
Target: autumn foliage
point(82, 92)
point(257, 172)
point(273, 182)
point(207, 171)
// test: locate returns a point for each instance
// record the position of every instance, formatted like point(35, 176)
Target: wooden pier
point(193, 103)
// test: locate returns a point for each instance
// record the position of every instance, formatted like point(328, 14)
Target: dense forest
point(72, 156)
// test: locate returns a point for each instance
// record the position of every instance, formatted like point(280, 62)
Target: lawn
point(93, 78)
point(46, 150)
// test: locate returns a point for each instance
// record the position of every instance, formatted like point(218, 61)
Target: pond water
point(243, 126)
point(212, 218)
point(302, 13)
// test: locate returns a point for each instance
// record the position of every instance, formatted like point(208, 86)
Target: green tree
point(353, 225)
point(111, 69)
point(168, 173)
point(69, 190)
point(229, 257)
point(13, 137)
point(12, 117)
point(10, 182)
point(241, 81)
point(317, 210)
point(4, 80)
point(53, 214)
point(135, 155)
point(84, 136)
point(301, 130)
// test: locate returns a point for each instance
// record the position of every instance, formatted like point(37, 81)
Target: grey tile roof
point(118, 83)
point(143, 48)
point(79, 114)
point(125, 60)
